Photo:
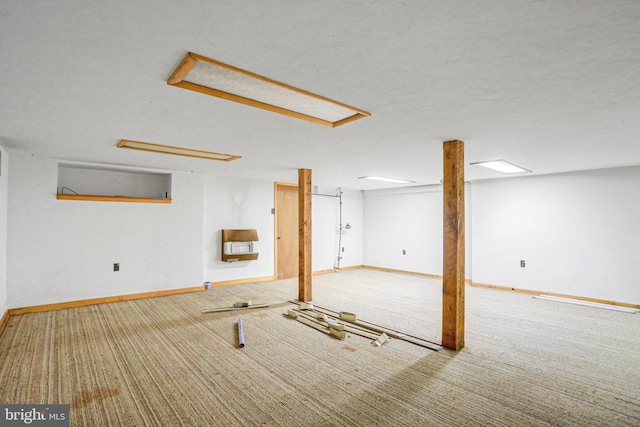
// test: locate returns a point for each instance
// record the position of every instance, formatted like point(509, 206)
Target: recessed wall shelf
point(92, 198)
point(105, 184)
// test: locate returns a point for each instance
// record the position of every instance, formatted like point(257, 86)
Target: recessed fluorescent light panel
point(501, 166)
point(386, 179)
point(215, 78)
point(177, 151)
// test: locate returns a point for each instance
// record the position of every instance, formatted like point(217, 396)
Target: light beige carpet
point(161, 362)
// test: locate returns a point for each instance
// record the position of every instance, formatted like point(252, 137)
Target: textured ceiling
point(551, 86)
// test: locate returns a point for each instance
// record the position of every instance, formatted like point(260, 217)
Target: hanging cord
point(339, 257)
point(339, 196)
point(63, 188)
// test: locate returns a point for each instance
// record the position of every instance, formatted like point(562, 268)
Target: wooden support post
point(454, 247)
point(304, 235)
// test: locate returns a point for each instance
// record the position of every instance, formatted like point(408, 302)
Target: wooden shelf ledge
point(95, 198)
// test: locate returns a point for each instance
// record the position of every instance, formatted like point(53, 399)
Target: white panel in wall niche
point(107, 181)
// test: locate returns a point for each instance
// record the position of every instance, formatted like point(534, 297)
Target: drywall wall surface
point(330, 241)
point(64, 250)
point(4, 189)
point(236, 204)
point(578, 233)
point(240, 204)
point(403, 229)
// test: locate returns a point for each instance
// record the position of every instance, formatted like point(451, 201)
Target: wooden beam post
point(454, 247)
point(304, 235)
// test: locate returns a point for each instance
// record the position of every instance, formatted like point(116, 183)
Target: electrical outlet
point(343, 249)
point(116, 266)
point(523, 263)
point(404, 252)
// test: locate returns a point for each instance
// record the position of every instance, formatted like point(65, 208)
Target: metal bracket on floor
point(382, 339)
point(313, 323)
point(349, 317)
point(241, 304)
point(373, 328)
point(336, 329)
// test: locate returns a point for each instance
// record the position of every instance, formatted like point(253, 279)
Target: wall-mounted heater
point(239, 245)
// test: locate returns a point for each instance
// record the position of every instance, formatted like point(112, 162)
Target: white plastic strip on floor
point(587, 303)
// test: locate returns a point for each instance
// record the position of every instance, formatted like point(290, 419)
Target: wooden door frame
point(275, 223)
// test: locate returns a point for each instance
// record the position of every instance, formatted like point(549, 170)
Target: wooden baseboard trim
point(243, 281)
point(105, 300)
point(531, 292)
point(413, 273)
point(4, 321)
point(353, 267)
point(330, 270)
point(129, 297)
point(337, 270)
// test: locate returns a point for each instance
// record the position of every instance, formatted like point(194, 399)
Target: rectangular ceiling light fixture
point(177, 151)
point(501, 166)
point(215, 78)
point(386, 179)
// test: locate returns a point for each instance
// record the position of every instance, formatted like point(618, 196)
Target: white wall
point(325, 220)
point(577, 232)
point(408, 219)
point(239, 204)
point(4, 189)
point(61, 250)
point(236, 204)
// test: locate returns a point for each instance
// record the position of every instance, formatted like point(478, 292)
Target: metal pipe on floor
point(240, 334)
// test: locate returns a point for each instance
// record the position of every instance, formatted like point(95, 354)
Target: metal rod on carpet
point(240, 334)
